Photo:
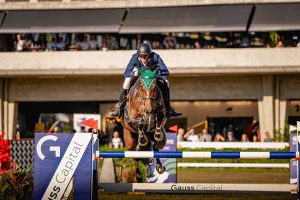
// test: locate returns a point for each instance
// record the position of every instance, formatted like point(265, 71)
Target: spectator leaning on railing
point(230, 137)
point(180, 134)
point(191, 136)
point(205, 137)
point(268, 137)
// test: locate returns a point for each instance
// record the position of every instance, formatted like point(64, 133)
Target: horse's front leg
point(142, 139)
point(160, 137)
point(159, 168)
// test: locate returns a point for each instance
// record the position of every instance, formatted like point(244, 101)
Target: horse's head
point(148, 89)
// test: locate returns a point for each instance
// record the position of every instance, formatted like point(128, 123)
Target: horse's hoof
point(158, 136)
point(160, 169)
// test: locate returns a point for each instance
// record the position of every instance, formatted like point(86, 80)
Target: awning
point(277, 17)
point(187, 19)
point(100, 20)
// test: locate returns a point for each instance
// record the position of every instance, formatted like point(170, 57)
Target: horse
point(144, 118)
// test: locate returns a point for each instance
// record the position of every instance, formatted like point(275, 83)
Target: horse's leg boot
point(142, 140)
point(158, 135)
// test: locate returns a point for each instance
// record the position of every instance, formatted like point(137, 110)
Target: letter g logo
point(55, 149)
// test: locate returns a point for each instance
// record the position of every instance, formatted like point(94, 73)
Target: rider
point(144, 57)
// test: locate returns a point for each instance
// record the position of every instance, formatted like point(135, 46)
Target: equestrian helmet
point(144, 49)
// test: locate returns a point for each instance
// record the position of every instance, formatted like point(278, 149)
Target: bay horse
point(144, 118)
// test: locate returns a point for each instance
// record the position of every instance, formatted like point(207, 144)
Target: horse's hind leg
point(130, 141)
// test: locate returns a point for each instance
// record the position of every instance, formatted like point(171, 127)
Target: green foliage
point(17, 185)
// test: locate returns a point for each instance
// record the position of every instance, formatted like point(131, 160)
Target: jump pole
point(192, 154)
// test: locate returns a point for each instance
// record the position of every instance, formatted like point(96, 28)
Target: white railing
point(233, 145)
point(234, 165)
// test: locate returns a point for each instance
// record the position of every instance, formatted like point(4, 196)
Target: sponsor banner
point(55, 162)
point(170, 163)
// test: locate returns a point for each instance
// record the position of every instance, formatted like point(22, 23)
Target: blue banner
point(57, 159)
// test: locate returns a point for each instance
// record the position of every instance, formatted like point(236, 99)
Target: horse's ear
point(155, 71)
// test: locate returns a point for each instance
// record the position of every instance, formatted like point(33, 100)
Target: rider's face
point(144, 58)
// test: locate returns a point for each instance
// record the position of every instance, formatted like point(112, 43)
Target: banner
point(58, 159)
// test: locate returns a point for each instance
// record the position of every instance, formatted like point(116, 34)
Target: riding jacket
point(154, 58)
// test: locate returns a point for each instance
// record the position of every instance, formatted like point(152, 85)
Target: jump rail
point(233, 145)
point(191, 154)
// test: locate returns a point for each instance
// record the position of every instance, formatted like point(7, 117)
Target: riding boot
point(166, 95)
point(119, 108)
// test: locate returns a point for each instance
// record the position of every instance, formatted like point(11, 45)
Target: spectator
point(84, 45)
point(19, 43)
point(191, 136)
point(60, 45)
point(268, 137)
point(116, 141)
point(205, 137)
point(51, 45)
point(93, 43)
point(82, 129)
point(169, 42)
point(230, 137)
point(180, 134)
point(244, 138)
point(197, 45)
point(219, 138)
point(104, 47)
point(254, 138)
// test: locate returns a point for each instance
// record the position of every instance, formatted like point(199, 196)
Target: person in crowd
point(51, 45)
point(84, 44)
point(93, 44)
point(230, 137)
point(169, 42)
point(180, 134)
point(244, 138)
point(219, 138)
point(197, 44)
point(82, 129)
point(254, 138)
point(145, 57)
point(191, 136)
point(19, 43)
point(205, 137)
point(60, 45)
point(268, 137)
point(116, 141)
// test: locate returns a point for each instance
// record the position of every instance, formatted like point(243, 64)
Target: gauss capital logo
point(55, 149)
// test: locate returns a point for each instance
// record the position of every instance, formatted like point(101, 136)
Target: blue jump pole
point(193, 154)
